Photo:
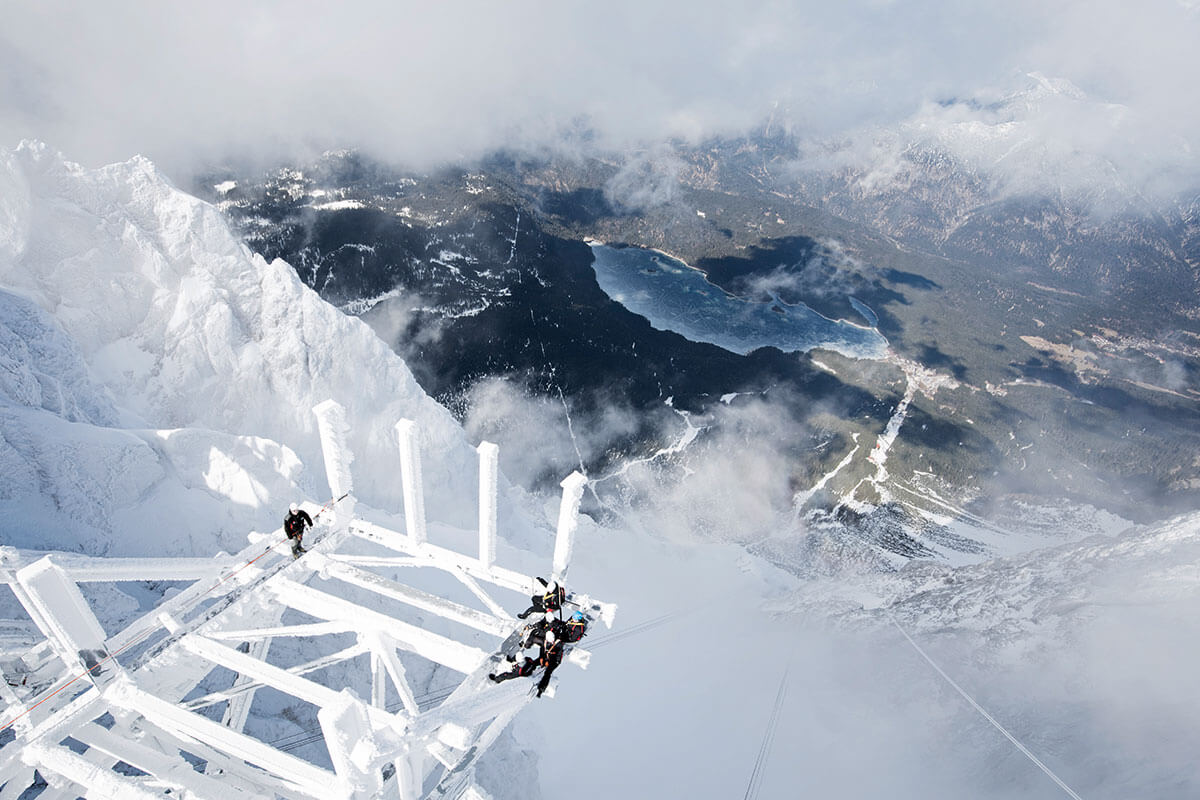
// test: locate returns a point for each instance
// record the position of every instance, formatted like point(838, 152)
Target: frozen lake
point(675, 297)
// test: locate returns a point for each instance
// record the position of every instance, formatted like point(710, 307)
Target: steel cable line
point(1049, 772)
point(764, 750)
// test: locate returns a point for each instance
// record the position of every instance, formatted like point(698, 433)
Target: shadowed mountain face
point(488, 287)
point(1036, 351)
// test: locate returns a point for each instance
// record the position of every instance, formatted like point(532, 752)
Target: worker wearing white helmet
point(294, 523)
point(550, 598)
point(535, 632)
point(551, 656)
point(515, 666)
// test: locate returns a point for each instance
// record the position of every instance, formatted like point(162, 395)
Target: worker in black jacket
point(550, 599)
point(294, 523)
point(551, 656)
point(518, 666)
point(535, 633)
point(574, 628)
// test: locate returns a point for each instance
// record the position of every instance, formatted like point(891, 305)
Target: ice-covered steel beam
point(248, 579)
point(85, 569)
point(238, 710)
point(97, 781)
point(474, 708)
point(462, 772)
point(232, 579)
point(14, 708)
point(410, 476)
point(154, 762)
point(306, 629)
point(309, 779)
point(322, 605)
point(54, 712)
point(378, 682)
point(269, 674)
point(332, 427)
point(447, 609)
point(485, 598)
point(60, 610)
point(435, 556)
point(17, 785)
point(410, 775)
point(568, 522)
point(357, 746)
point(489, 460)
point(233, 770)
point(385, 651)
point(354, 651)
point(378, 561)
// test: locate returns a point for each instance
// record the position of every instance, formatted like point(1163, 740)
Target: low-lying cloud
point(503, 411)
point(430, 83)
point(828, 273)
point(645, 181)
point(725, 475)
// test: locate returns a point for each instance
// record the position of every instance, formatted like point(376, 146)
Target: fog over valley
point(843, 362)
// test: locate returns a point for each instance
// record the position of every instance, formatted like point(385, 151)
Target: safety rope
point(146, 634)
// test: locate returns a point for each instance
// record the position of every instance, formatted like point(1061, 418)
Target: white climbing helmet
point(549, 617)
point(293, 508)
point(552, 586)
point(550, 637)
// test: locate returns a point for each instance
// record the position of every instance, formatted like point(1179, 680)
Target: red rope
point(143, 636)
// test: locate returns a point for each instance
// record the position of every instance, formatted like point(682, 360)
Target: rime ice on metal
point(363, 626)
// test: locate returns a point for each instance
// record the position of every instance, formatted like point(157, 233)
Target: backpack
point(575, 628)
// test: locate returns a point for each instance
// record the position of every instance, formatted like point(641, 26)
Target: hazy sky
point(433, 81)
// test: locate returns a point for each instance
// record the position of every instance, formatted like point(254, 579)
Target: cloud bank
point(423, 83)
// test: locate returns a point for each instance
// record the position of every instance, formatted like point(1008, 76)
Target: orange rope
point(143, 636)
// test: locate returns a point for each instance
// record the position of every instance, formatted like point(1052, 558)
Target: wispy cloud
point(427, 83)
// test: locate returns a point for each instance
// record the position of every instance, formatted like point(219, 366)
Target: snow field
point(1083, 652)
point(129, 306)
point(156, 386)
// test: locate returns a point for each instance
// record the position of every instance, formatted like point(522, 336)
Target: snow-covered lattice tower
point(372, 650)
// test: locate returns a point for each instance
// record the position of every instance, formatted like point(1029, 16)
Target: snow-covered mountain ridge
point(148, 352)
point(1017, 595)
point(156, 382)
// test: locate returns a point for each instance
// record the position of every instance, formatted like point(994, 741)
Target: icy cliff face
point(156, 386)
point(146, 350)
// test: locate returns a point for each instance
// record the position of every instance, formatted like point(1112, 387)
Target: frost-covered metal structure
point(378, 642)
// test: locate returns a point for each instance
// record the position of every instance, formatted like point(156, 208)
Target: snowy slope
point(166, 358)
point(1085, 652)
point(156, 385)
point(1056, 593)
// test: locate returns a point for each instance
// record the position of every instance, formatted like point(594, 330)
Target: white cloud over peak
point(421, 83)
